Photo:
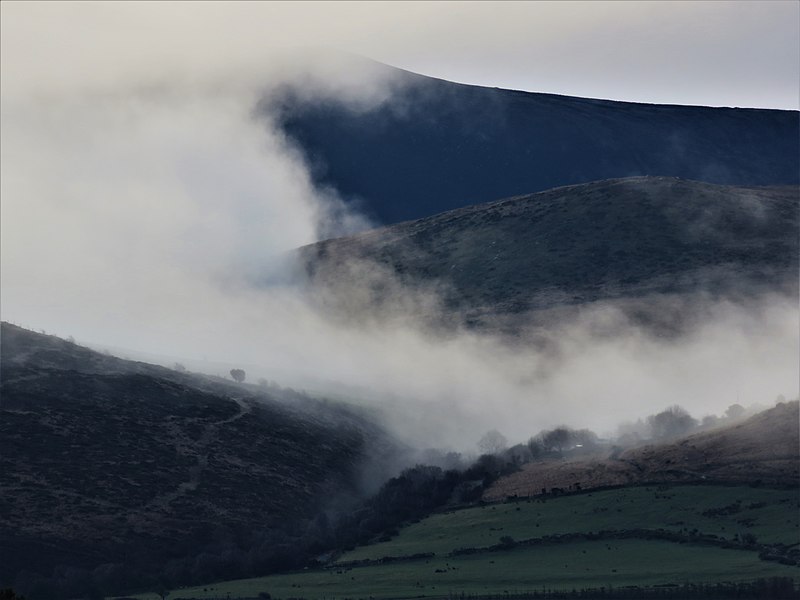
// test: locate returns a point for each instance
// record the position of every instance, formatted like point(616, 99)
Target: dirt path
point(161, 503)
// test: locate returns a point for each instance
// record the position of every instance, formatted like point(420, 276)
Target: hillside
point(435, 146)
point(718, 518)
point(764, 449)
point(619, 239)
point(645, 542)
point(117, 467)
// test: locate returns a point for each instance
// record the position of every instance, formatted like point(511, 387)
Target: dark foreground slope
point(436, 145)
point(121, 468)
point(607, 240)
point(763, 450)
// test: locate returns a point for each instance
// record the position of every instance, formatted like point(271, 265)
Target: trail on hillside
point(162, 502)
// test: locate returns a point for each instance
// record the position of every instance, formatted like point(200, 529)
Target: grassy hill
point(114, 468)
point(768, 514)
point(626, 240)
point(734, 519)
point(641, 536)
point(435, 146)
point(764, 449)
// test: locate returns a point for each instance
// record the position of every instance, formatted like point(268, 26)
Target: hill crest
point(762, 450)
point(618, 239)
point(433, 145)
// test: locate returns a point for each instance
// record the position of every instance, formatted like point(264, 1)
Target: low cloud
point(162, 218)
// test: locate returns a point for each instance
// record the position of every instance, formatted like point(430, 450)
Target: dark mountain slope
point(616, 239)
point(764, 449)
point(437, 146)
point(106, 461)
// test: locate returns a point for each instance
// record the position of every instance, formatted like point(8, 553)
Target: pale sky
point(713, 53)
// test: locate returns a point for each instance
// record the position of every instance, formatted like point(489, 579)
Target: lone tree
point(238, 375)
point(493, 442)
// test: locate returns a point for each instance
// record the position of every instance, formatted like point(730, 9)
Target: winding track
point(161, 503)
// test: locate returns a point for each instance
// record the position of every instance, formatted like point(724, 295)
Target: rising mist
point(161, 216)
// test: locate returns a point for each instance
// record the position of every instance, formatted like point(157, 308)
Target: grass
point(578, 565)
point(770, 515)
point(676, 508)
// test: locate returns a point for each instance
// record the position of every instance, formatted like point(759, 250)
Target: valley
point(432, 266)
point(641, 537)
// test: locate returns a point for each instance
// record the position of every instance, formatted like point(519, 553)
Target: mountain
point(620, 239)
point(764, 449)
point(114, 468)
point(434, 146)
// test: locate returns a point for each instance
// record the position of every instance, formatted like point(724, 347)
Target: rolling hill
point(113, 468)
point(764, 449)
point(660, 541)
point(622, 240)
point(714, 514)
point(435, 146)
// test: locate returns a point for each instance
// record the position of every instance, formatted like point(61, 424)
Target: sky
point(712, 53)
point(140, 198)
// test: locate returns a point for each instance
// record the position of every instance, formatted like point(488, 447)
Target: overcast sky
point(713, 53)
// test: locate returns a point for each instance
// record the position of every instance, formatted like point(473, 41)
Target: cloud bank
point(144, 206)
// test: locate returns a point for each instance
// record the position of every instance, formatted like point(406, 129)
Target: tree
point(238, 375)
point(557, 439)
point(585, 438)
point(493, 442)
point(518, 454)
point(535, 447)
point(672, 422)
point(735, 411)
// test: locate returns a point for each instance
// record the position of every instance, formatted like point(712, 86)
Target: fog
point(158, 215)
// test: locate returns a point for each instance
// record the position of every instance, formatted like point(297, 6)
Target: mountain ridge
point(433, 145)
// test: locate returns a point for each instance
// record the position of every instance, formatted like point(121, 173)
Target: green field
point(579, 565)
point(772, 518)
point(676, 508)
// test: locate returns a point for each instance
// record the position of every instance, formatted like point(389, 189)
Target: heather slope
point(109, 461)
point(608, 240)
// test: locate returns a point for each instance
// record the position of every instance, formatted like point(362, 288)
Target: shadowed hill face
point(110, 461)
point(436, 146)
point(608, 240)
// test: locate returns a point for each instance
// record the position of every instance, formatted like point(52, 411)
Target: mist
point(160, 217)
